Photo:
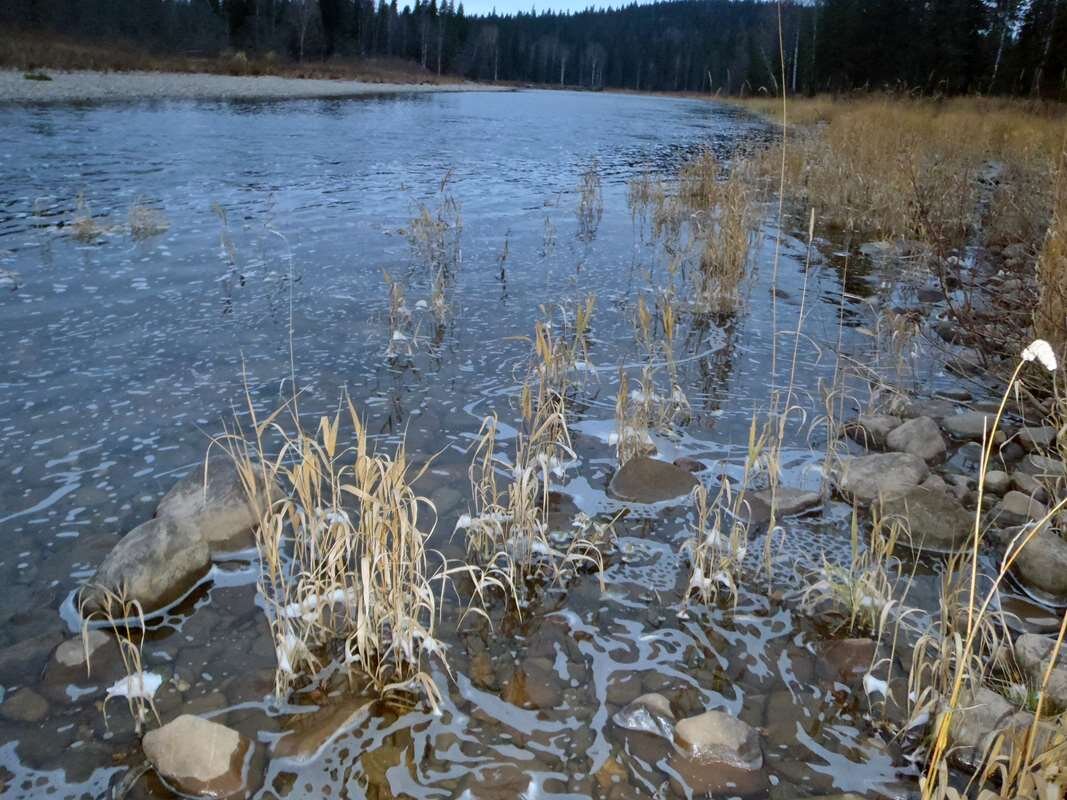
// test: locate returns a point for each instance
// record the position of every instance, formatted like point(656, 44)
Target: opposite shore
point(94, 86)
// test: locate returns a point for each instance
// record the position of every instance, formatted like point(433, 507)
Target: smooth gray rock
point(23, 661)
point(881, 475)
point(934, 520)
point(997, 482)
point(920, 437)
point(970, 426)
point(217, 504)
point(979, 716)
point(791, 502)
point(871, 430)
point(1029, 485)
point(156, 562)
point(198, 757)
point(1043, 468)
point(648, 480)
point(1037, 438)
point(1018, 506)
point(1042, 563)
point(1033, 653)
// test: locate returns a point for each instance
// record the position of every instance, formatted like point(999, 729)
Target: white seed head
point(1040, 350)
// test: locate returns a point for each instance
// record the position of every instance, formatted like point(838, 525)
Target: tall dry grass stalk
point(346, 573)
point(590, 203)
point(725, 233)
point(1050, 316)
point(146, 221)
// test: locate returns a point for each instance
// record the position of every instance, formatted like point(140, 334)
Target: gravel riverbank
point(66, 87)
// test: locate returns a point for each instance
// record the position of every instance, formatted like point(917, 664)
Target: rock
point(997, 482)
point(71, 654)
point(715, 737)
point(933, 408)
point(979, 716)
point(25, 705)
point(22, 662)
point(649, 713)
point(971, 426)
point(1029, 485)
point(871, 430)
point(1033, 653)
point(648, 480)
point(1042, 563)
point(790, 501)
point(881, 475)
point(1018, 506)
point(534, 684)
point(305, 735)
point(157, 562)
point(218, 507)
point(920, 437)
point(690, 464)
point(1043, 468)
point(957, 395)
point(933, 520)
point(847, 658)
point(197, 757)
point(718, 753)
point(1037, 439)
point(935, 483)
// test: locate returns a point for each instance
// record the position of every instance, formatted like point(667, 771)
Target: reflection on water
point(121, 357)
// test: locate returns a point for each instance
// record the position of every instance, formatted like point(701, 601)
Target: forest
point(732, 47)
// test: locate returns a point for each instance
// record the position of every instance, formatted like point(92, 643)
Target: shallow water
point(121, 357)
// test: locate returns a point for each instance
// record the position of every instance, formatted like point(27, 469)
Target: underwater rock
point(68, 678)
point(847, 658)
point(22, 661)
point(718, 754)
point(920, 437)
point(881, 475)
point(1033, 652)
point(648, 480)
point(218, 507)
point(306, 734)
point(871, 430)
point(198, 757)
point(649, 713)
point(1042, 563)
point(932, 520)
point(25, 705)
point(534, 684)
point(156, 562)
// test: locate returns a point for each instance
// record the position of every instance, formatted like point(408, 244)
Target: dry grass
point(83, 226)
point(146, 221)
point(726, 237)
point(590, 203)
point(1050, 316)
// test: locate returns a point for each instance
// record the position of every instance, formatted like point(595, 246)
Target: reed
point(146, 221)
point(590, 203)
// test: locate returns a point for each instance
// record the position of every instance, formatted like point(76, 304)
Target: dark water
point(118, 359)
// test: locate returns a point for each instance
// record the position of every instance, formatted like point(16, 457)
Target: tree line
point(728, 46)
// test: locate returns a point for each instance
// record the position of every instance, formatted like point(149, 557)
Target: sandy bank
point(66, 87)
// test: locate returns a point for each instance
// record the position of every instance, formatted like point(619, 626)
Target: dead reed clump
point(346, 574)
point(726, 234)
point(435, 235)
point(83, 226)
point(126, 618)
point(590, 203)
point(146, 221)
point(698, 180)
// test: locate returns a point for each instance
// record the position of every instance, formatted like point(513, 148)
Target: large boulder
point(881, 475)
point(1033, 653)
point(920, 437)
point(718, 754)
point(1042, 563)
point(197, 757)
point(155, 563)
point(215, 501)
point(648, 480)
point(934, 520)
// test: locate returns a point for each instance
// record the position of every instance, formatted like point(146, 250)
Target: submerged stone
point(198, 757)
point(718, 754)
point(649, 713)
point(649, 480)
point(791, 502)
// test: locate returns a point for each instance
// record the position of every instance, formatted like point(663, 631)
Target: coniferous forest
point(730, 46)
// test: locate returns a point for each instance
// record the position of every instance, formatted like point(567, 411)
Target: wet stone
point(198, 757)
point(871, 430)
point(1018, 507)
point(970, 426)
point(23, 661)
point(920, 437)
point(1042, 563)
point(847, 658)
point(648, 480)
point(25, 705)
point(690, 464)
point(718, 753)
point(534, 684)
point(791, 502)
point(882, 475)
point(649, 713)
point(933, 520)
